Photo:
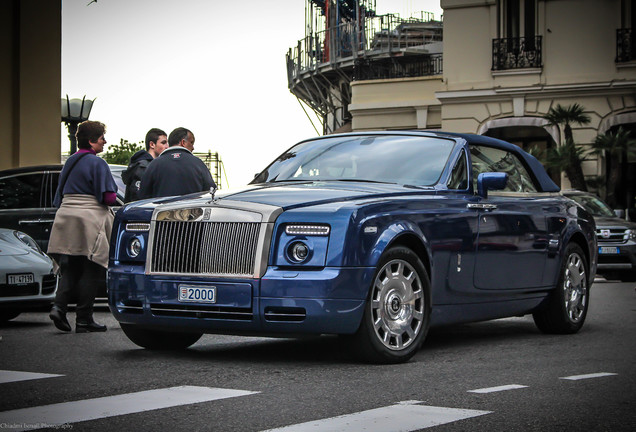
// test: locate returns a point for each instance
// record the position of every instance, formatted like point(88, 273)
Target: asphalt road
point(501, 375)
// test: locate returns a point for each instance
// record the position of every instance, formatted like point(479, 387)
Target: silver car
point(27, 278)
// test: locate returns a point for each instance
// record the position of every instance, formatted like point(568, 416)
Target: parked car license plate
point(609, 250)
point(190, 293)
point(23, 278)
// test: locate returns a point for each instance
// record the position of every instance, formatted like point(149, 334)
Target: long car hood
point(292, 195)
point(613, 221)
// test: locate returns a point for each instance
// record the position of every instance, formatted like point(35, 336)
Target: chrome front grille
point(205, 248)
point(612, 235)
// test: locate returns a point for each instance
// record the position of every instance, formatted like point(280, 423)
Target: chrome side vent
point(285, 314)
point(201, 312)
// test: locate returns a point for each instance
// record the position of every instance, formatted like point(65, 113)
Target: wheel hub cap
point(397, 304)
point(575, 286)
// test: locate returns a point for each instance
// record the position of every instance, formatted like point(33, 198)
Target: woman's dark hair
point(89, 131)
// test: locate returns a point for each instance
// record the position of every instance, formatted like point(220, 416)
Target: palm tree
point(566, 116)
point(615, 146)
point(565, 159)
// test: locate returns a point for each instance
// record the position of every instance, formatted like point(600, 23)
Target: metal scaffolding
point(215, 165)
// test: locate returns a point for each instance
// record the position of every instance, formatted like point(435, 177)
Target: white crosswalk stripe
point(7, 376)
point(402, 417)
point(498, 388)
point(110, 406)
point(588, 376)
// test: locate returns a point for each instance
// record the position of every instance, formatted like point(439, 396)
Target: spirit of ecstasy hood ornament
point(212, 192)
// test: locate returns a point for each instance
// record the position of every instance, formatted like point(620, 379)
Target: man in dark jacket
point(176, 171)
point(156, 143)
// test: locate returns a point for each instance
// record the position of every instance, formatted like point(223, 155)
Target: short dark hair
point(177, 135)
point(89, 131)
point(152, 136)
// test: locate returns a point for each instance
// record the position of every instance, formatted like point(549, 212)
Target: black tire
point(158, 339)
point(397, 314)
point(566, 307)
point(8, 315)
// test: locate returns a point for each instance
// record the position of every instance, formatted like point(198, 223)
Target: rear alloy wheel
point(566, 307)
point(396, 317)
point(158, 339)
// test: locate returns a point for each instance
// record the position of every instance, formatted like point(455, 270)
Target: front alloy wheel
point(396, 317)
point(397, 305)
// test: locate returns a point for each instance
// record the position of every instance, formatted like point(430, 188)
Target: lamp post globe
point(75, 111)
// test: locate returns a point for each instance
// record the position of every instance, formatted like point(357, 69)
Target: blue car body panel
point(483, 264)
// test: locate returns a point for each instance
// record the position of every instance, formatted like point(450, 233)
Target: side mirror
point(620, 213)
point(490, 181)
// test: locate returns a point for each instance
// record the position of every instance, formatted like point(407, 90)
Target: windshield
point(408, 160)
point(594, 205)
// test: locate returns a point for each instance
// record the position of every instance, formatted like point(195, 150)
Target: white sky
point(216, 67)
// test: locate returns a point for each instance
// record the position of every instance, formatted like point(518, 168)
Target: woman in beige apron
point(81, 230)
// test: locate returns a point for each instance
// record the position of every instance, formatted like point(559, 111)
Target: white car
point(27, 278)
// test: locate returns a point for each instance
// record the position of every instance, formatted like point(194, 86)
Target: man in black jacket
point(176, 171)
point(156, 143)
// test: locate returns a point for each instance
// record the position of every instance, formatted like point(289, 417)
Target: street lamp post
point(75, 111)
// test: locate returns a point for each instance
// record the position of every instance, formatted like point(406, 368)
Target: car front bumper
point(282, 302)
point(612, 256)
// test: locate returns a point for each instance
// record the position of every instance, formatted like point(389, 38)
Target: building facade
point(507, 63)
point(30, 82)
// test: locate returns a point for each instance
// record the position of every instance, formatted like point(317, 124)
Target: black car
point(616, 238)
point(26, 199)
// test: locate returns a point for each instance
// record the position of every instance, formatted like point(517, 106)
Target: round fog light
point(298, 252)
point(134, 247)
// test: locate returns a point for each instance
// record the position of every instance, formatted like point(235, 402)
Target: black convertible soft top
point(545, 182)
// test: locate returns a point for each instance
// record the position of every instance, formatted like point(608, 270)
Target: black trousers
point(80, 281)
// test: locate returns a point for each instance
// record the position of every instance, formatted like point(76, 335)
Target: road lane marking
point(587, 376)
point(401, 417)
point(498, 389)
point(7, 376)
point(110, 406)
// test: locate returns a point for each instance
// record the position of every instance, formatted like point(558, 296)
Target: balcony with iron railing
point(407, 67)
point(378, 36)
point(625, 41)
point(516, 53)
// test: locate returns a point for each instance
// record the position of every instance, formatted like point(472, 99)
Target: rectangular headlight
point(316, 230)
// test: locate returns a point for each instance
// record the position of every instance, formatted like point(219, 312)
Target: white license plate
point(188, 293)
point(16, 279)
point(608, 250)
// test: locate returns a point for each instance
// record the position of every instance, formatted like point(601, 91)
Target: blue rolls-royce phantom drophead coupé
point(374, 236)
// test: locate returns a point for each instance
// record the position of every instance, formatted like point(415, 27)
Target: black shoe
point(92, 326)
point(59, 319)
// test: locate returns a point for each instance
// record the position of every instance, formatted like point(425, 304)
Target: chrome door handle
point(481, 206)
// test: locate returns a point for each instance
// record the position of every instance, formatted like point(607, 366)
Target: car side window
point(54, 178)
point(488, 159)
point(22, 191)
point(459, 175)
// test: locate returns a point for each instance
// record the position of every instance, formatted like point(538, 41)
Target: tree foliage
point(121, 154)
point(616, 147)
point(568, 157)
